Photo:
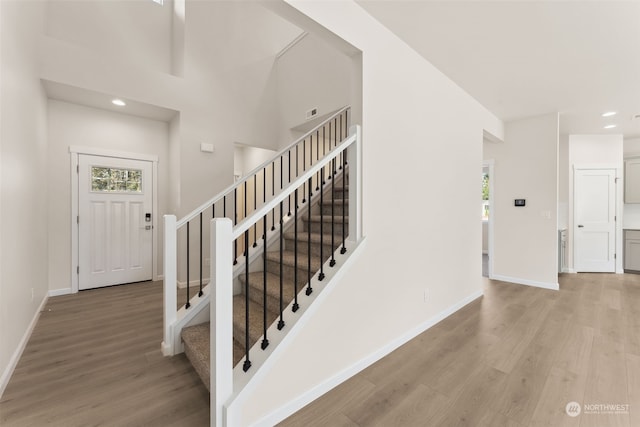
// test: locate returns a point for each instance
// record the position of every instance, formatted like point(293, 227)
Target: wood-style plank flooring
point(94, 360)
point(515, 357)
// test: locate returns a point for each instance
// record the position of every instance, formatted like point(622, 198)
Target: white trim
point(283, 412)
point(75, 151)
point(59, 292)
point(92, 151)
point(292, 44)
point(519, 281)
point(569, 270)
point(15, 357)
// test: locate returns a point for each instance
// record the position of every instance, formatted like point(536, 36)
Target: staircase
point(335, 200)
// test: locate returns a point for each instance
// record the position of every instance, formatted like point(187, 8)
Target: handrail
point(194, 213)
point(250, 220)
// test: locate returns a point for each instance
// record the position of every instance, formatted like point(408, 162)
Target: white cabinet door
point(632, 250)
point(115, 207)
point(632, 181)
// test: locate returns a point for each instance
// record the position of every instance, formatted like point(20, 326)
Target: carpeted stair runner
point(196, 338)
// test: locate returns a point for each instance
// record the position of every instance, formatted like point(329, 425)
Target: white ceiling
point(524, 58)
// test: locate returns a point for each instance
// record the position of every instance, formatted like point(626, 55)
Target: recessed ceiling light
point(119, 102)
point(609, 114)
point(610, 126)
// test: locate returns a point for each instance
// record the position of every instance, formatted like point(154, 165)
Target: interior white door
point(115, 198)
point(595, 220)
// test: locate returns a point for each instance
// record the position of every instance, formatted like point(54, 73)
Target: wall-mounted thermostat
point(519, 202)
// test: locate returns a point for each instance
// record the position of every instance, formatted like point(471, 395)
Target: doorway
point(594, 224)
point(487, 218)
point(114, 231)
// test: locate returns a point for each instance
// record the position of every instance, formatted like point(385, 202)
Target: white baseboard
point(569, 270)
point(6, 375)
point(58, 292)
point(290, 408)
point(534, 283)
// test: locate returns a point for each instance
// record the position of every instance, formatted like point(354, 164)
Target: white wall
point(23, 178)
point(596, 151)
point(135, 31)
point(75, 125)
point(311, 74)
point(437, 132)
point(563, 182)
point(631, 211)
point(526, 167)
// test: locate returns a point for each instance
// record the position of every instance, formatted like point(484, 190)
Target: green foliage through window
point(115, 180)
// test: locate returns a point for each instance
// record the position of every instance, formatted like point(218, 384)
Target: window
point(113, 180)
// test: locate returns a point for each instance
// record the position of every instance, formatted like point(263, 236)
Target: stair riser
point(340, 193)
point(326, 227)
point(326, 209)
point(239, 335)
point(288, 271)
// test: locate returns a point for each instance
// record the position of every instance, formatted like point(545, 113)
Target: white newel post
point(170, 283)
point(221, 286)
point(354, 156)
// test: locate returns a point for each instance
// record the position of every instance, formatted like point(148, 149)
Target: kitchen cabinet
point(632, 180)
point(632, 250)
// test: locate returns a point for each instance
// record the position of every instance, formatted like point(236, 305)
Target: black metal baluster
point(273, 190)
point(264, 201)
point(281, 321)
point(330, 163)
point(200, 292)
point(333, 203)
point(265, 340)
point(188, 304)
point(213, 210)
point(235, 222)
point(310, 163)
point(321, 275)
point(344, 214)
point(309, 288)
point(295, 254)
point(324, 150)
point(318, 158)
point(255, 207)
point(289, 156)
point(247, 363)
point(341, 141)
point(246, 246)
point(224, 206)
point(298, 174)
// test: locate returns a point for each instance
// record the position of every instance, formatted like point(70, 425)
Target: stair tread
point(255, 320)
point(288, 258)
point(326, 218)
point(196, 346)
point(273, 285)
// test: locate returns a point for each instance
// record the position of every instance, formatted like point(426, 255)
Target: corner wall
point(23, 180)
point(526, 167)
point(418, 127)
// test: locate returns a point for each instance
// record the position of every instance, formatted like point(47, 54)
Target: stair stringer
point(245, 382)
point(196, 314)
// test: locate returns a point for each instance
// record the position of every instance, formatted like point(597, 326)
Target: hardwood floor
point(515, 357)
point(94, 359)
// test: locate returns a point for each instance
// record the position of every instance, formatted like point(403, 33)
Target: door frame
point(618, 211)
point(489, 163)
point(75, 151)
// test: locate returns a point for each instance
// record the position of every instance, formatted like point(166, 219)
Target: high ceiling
point(524, 58)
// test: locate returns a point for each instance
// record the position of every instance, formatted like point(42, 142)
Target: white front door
point(594, 220)
point(115, 199)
